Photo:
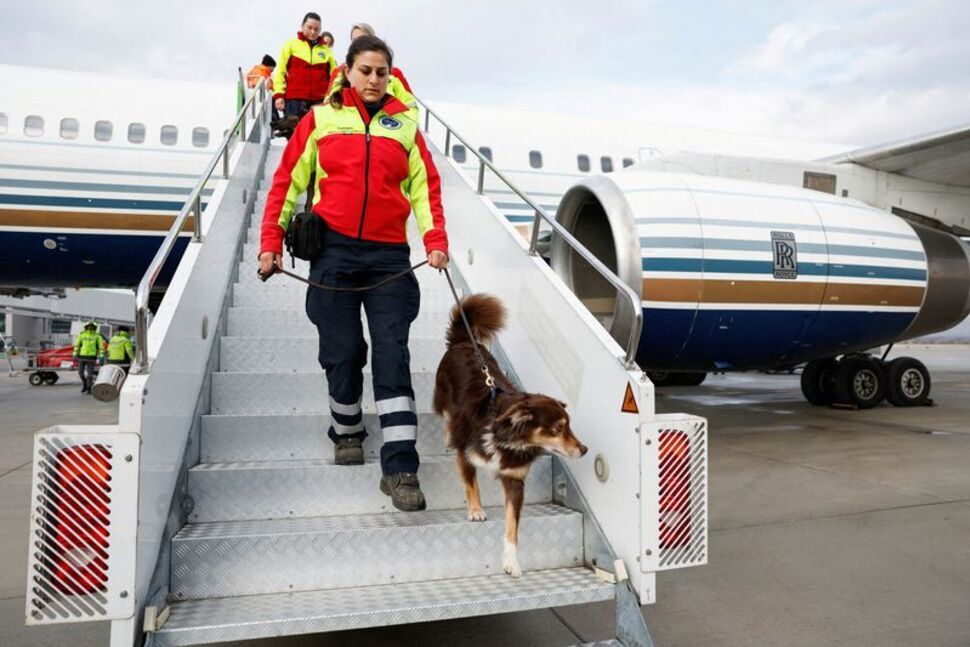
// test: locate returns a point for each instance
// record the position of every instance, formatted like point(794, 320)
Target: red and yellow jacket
point(303, 70)
point(370, 175)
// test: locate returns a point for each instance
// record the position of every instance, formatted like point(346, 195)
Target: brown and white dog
point(505, 436)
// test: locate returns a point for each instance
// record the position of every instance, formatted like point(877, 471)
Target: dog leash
point(279, 270)
point(493, 390)
point(489, 380)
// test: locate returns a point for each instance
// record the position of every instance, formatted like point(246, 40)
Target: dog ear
point(517, 414)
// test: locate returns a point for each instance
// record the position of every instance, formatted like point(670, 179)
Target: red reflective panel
point(674, 489)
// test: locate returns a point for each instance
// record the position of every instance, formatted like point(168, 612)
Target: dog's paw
point(512, 567)
point(510, 560)
point(477, 515)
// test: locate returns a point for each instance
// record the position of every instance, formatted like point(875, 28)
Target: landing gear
point(863, 381)
point(665, 378)
point(908, 383)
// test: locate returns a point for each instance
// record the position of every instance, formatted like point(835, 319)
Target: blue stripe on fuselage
point(705, 340)
point(719, 266)
point(90, 260)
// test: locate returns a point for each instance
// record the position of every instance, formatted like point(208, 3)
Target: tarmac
point(828, 527)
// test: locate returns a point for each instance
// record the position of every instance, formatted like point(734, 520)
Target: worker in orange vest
point(262, 71)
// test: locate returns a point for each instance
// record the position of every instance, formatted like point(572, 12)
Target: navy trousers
point(390, 309)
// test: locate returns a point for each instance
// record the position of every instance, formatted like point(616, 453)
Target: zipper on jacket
point(363, 211)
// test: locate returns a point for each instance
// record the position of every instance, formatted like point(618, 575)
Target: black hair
point(269, 61)
point(312, 15)
point(360, 45)
point(324, 34)
point(124, 329)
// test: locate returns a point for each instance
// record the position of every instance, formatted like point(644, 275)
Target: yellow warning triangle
point(629, 402)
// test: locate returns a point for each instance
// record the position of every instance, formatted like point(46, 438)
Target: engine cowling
point(741, 275)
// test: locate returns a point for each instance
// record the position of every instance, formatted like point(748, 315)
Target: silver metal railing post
point(624, 290)
point(197, 219)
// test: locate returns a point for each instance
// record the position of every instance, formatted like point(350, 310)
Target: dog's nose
point(583, 449)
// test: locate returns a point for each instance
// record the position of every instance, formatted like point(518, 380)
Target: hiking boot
point(404, 490)
point(349, 451)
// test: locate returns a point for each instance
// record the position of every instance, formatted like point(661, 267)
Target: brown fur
point(524, 425)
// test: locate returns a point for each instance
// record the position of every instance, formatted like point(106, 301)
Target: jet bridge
point(213, 511)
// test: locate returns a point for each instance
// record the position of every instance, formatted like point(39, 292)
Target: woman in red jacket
point(372, 170)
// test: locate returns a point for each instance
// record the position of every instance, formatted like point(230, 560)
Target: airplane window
point(136, 133)
point(170, 135)
point(200, 137)
point(34, 126)
point(582, 161)
point(606, 163)
point(69, 128)
point(103, 130)
point(3, 123)
point(458, 153)
point(486, 152)
point(627, 161)
point(535, 159)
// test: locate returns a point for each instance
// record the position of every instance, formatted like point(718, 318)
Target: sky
point(858, 72)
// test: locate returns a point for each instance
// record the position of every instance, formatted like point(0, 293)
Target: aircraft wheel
point(51, 378)
point(35, 379)
point(694, 378)
point(662, 378)
point(908, 382)
point(817, 381)
point(860, 380)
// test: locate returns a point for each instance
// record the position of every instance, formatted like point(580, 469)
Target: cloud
point(858, 71)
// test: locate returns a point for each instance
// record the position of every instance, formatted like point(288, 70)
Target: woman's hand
point(437, 259)
point(280, 104)
point(269, 262)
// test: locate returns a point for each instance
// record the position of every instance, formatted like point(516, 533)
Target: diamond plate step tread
point(224, 619)
point(288, 322)
point(230, 438)
point(317, 488)
point(299, 354)
point(255, 557)
point(267, 392)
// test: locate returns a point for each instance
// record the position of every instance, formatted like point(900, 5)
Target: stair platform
point(281, 614)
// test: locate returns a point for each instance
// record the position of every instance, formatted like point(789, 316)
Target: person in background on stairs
point(373, 169)
point(398, 85)
point(304, 70)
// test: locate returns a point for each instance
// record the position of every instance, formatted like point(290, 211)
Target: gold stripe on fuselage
point(780, 292)
point(88, 220)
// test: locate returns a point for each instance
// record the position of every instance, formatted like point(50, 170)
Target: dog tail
point(486, 316)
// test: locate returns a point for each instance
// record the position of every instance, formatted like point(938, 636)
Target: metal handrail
point(192, 206)
point(540, 214)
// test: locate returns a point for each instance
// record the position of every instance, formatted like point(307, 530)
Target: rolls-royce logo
point(785, 253)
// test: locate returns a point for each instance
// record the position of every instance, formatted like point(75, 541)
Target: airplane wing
point(942, 157)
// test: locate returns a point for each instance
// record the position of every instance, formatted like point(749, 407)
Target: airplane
point(749, 252)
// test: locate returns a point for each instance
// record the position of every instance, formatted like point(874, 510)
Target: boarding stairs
point(281, 540)
point(247, 529)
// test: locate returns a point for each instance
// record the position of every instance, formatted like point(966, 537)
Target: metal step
point(278, 392)
point(213, 560)
point(284, 292)
point(284, 437)
point(289, 322)
point(225, 619)
point(299, 354)
point(318, 488)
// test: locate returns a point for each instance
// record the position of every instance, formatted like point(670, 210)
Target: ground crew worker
point(260, 72)
point(88, 349)
point(374, 169)
point(120, 351)
point(327, 39)
point(304, 69)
